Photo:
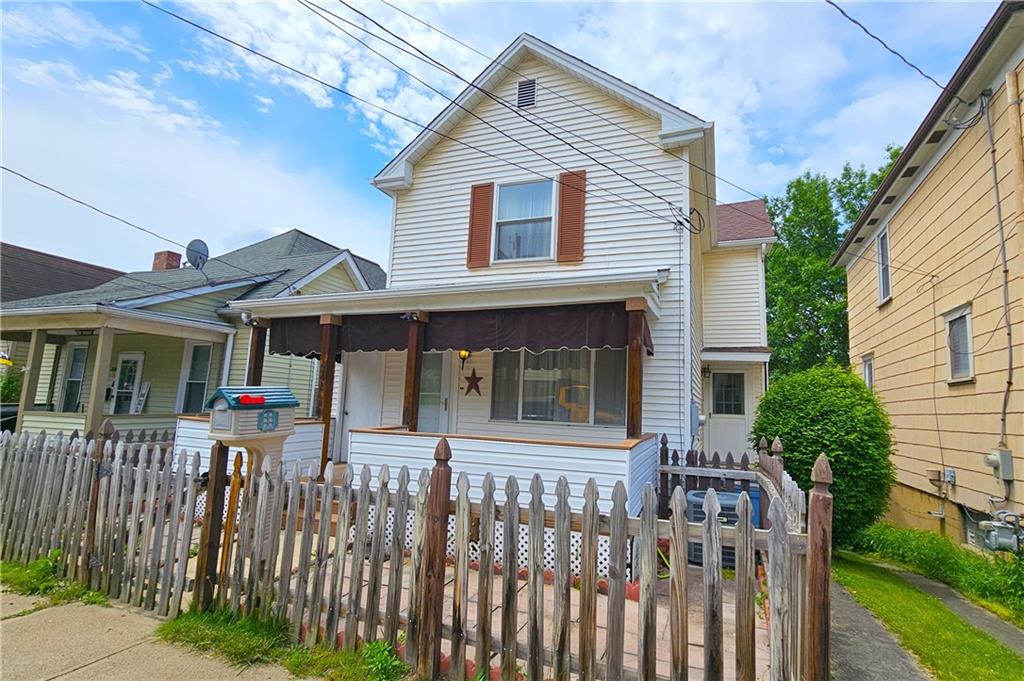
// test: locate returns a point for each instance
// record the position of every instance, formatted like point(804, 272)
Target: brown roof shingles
point(743, 220)
point(25, 273)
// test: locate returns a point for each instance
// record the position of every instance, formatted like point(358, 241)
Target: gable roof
point(743, 221)
point(269, 268)
point(678, 126)
point(1001, 37)
point(27, 273)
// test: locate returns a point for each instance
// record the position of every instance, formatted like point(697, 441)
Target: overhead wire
point(374, 105)
point(319, 12)
point(575, 103)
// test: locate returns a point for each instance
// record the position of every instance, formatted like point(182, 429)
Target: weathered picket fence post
point(209, 542)
point(431, 594)
point(819, 570)
point(664, 491)
point(106, 432)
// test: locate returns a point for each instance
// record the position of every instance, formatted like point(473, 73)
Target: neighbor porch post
point(98, 387)
point(413, 370)
point(257, 351)
point(30, 380)
point(635, 309)
point(329, 324)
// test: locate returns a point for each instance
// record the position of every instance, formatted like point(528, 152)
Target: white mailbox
point(257, 418)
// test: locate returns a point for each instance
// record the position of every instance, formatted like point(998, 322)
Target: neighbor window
point(523, 224)
point(560, 386)
point(882, 253)
point(195, 376)
point(868, 371)
point(727, 391)
point(959, 344)
point(74, 373)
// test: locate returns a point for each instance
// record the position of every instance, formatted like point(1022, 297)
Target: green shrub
point(828, 409)
point(997, 579)
point(10, 385)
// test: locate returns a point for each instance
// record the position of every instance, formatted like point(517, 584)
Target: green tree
point(806, 296)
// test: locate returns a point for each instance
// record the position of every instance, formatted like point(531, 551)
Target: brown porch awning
point(594, 325)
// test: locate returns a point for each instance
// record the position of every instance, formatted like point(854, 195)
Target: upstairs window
point(959, 344)
point(527, 93)
point(523, 222)
point(882, 258)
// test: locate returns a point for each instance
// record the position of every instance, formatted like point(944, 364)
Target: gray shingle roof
point(287, 257)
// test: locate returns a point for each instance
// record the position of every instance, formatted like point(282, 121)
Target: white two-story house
point(563, 288)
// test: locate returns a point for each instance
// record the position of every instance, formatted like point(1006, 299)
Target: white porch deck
point(634, 462)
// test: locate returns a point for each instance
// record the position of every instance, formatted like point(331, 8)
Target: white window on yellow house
point(560, 386)
point(867, 370)
point(959, 344)
point(884, 274)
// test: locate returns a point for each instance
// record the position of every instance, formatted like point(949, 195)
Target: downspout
point(225, 362)
point(985, 104)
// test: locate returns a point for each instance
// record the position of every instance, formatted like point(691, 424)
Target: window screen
point(959, 348)
point(728, 393)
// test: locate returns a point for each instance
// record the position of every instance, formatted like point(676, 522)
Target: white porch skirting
point(634, 462)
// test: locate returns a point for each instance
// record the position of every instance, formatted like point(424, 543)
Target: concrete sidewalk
point(89, 642)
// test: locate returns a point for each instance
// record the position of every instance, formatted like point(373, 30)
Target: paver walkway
point(89, 642)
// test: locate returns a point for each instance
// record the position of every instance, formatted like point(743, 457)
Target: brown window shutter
point(481, 217)
point(572, 198)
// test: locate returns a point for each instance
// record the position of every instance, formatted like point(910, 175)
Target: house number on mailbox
point(267, 420)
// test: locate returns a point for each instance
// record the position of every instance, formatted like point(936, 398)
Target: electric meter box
point(251, 413)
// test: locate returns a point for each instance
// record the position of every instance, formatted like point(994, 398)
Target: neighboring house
point(148, 348)
point(543, 323)
point(25, 273)
point(926, 294)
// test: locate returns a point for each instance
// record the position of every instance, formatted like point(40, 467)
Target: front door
point(435, 382)
point(126, 382)
point(728, 423)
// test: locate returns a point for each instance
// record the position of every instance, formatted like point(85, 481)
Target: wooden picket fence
point(364, 560)
point(118, 513)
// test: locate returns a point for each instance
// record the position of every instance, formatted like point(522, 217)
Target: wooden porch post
point(98, 388)
point(636, 308)
point(257, 350)
point(30, 380)
point(413, 370)
point(325, 380)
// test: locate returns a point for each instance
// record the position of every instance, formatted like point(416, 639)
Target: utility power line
point(374, 105)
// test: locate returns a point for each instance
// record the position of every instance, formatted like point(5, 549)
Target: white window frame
point(959, 312)
point(554, 223)
point(69, 353)
point(867, 370)
point(884, 233)
point(519, 397)
point(112, 402)
point(186, 363)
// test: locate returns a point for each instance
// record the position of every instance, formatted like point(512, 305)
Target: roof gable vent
point(527, 95)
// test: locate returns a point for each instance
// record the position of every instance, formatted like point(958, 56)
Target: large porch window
point(195, 376)
point(560, 386)
point(74, 373)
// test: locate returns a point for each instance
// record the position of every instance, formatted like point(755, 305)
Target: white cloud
point(40, 23)
point(264, 104)
point(109, 142)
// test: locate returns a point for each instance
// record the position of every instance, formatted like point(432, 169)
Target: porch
point(139, 368)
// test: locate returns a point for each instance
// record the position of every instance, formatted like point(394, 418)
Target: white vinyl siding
point(432, 217)
point(734, 314)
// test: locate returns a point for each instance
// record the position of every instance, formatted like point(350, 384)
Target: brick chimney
point(166, 260)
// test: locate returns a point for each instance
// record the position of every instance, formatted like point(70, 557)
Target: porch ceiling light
point(463, 356)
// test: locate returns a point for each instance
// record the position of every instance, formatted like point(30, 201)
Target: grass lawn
point(42, 578)
point(949, 647)
point(247, 641)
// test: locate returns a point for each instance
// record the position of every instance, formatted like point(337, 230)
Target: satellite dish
point(197, 253)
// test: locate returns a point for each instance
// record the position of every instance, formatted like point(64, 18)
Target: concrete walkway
point(863, 649)
point(89, 642)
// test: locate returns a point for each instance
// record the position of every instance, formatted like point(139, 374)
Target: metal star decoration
point(473, 382)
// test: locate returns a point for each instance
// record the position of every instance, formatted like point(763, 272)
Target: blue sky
point(144, 116)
